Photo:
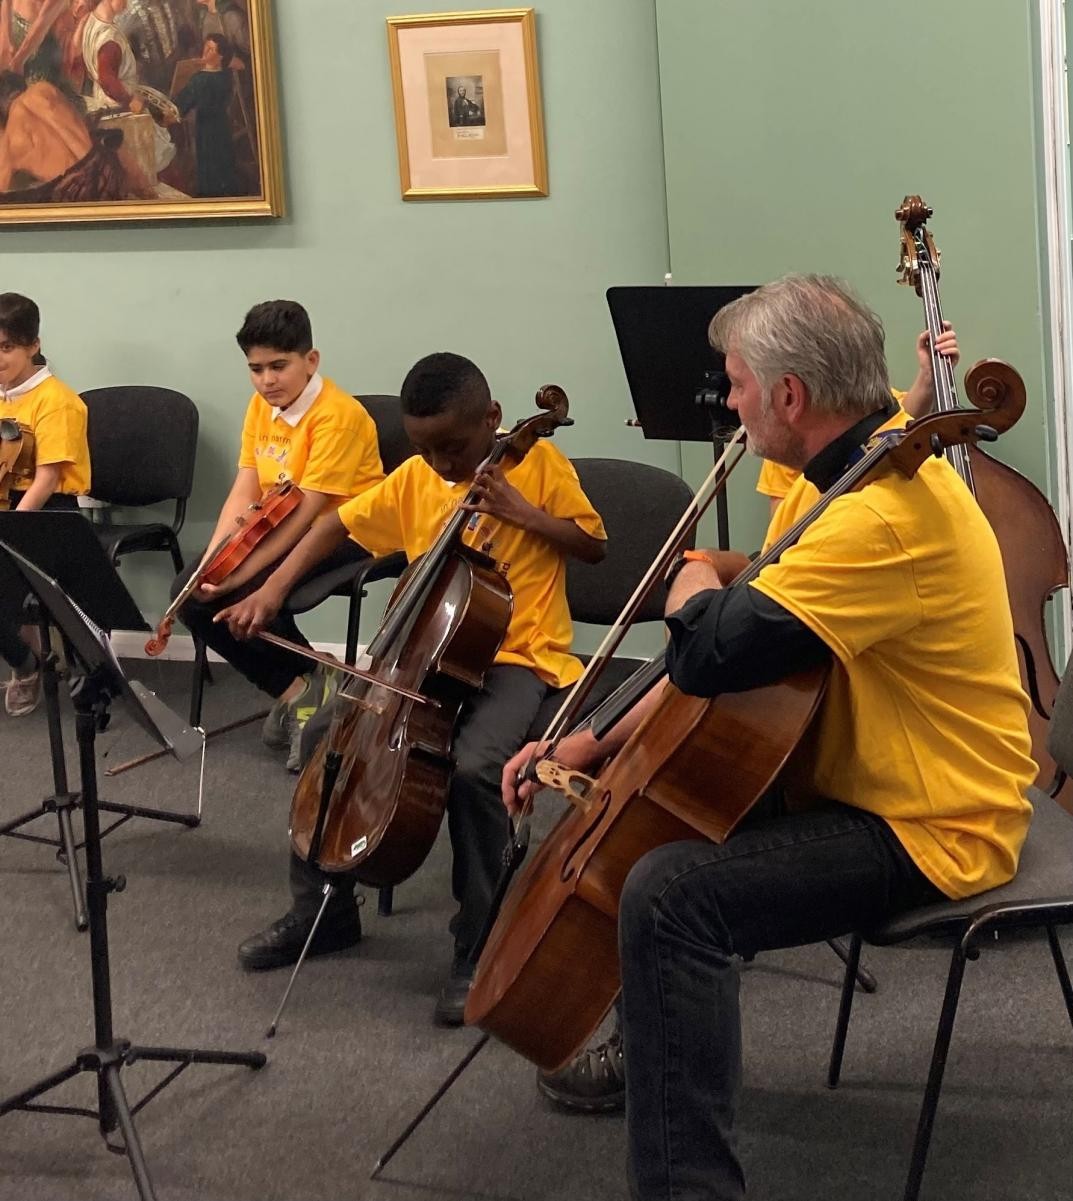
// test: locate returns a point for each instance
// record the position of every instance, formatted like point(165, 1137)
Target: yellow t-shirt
point(775, 480)
point(57, 416)
point(924, 721)
point(332, 448)
point(408, 510)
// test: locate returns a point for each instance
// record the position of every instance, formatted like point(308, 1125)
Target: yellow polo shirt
point(775, 479)
point(407, 511)
point(924, 721)
point(57, 416)
point(332, 448)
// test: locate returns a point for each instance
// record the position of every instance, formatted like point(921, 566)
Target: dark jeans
point(13, 595)
point(271, 668)
point(687, 910)
point(494, 724)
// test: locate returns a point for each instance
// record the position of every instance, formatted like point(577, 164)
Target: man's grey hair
point(814, 327)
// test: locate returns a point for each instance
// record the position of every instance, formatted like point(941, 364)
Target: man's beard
point(774, 442)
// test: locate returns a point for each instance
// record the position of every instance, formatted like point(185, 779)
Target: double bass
point(1030, 539)
point(549, 969)
point(372, 796)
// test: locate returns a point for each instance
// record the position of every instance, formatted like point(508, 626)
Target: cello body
point(390, 793)
point(562, 913)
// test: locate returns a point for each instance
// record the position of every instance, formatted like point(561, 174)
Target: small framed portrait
point(121, 110)
point(468, 116)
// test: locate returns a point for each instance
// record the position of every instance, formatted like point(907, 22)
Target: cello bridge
point(574, 785)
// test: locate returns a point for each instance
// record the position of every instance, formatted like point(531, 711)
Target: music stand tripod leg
point(109, 1054)
point(62, 801)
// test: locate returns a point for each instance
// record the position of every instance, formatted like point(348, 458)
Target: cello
point(372, 796)
point(1030, 539)
point(563, 909)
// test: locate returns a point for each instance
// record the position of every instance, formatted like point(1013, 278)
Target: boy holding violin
point(914, 785)
point(531, 517)
point(32, 397)
point(301, 427)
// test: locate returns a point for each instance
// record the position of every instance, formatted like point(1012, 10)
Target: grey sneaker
point(274, 731)
point(319, 691)
point(23, 694)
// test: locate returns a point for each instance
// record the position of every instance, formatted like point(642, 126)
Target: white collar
point(27, 385)
point(297, 409)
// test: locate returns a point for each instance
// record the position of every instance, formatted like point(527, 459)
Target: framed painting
point(467, 104)
point(119, 110)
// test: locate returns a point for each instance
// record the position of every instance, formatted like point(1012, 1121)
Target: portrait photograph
point(137, 109)
point(467, 105)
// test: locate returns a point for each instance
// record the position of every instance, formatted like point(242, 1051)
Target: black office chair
point(1041, 894)
point(640, 505)
point(142, 450)
point(350, 579)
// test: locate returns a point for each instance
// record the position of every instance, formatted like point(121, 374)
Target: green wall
point(791, 133)
point(516, 285)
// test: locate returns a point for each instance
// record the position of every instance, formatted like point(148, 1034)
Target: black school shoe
point(592, 1082)
point(451, 1003)
point(282, 942)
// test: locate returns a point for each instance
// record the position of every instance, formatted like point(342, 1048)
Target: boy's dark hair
point(439, 381)
point(278, 325)
point(20, 319)
point(223, 44)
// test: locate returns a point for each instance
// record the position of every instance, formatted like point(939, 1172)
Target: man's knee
point(670, 883)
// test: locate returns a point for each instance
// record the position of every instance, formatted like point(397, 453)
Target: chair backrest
point(640, 506)
point(142, 444)
point(1060, 733)
point(386, 412)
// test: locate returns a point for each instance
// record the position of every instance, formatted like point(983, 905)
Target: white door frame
point(1058, 282)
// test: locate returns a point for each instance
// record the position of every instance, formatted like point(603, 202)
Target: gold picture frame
point(468, 115)
point(147, 159)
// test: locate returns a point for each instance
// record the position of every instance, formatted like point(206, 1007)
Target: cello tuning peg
point(985, 433)
point(936, 444)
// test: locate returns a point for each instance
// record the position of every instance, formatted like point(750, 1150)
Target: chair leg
point(1061, 969)
point(353, 626)
point(865, 978)
point(385, 901)
point(845, 1005)
point(935, 1075)
point(176, 554)
point(197, 684)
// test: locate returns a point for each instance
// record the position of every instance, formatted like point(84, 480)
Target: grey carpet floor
point(357, 1054)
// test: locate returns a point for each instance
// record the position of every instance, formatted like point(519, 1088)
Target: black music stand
point(675, 377)
point(66, 547)
point(97, 680)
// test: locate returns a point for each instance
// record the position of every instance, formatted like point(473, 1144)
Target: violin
point(372, 796)
point(1030, 539)
point(251, 528)
point(559, 922)
point(17, 458)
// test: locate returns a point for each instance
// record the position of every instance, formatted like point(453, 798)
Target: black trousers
point(493, 726)
point(13, 596)
point(270, 668)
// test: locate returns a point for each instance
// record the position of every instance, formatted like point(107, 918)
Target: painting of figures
point(136, 109)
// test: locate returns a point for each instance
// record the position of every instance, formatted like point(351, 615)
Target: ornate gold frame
point(527, 19)
point(269, 204)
